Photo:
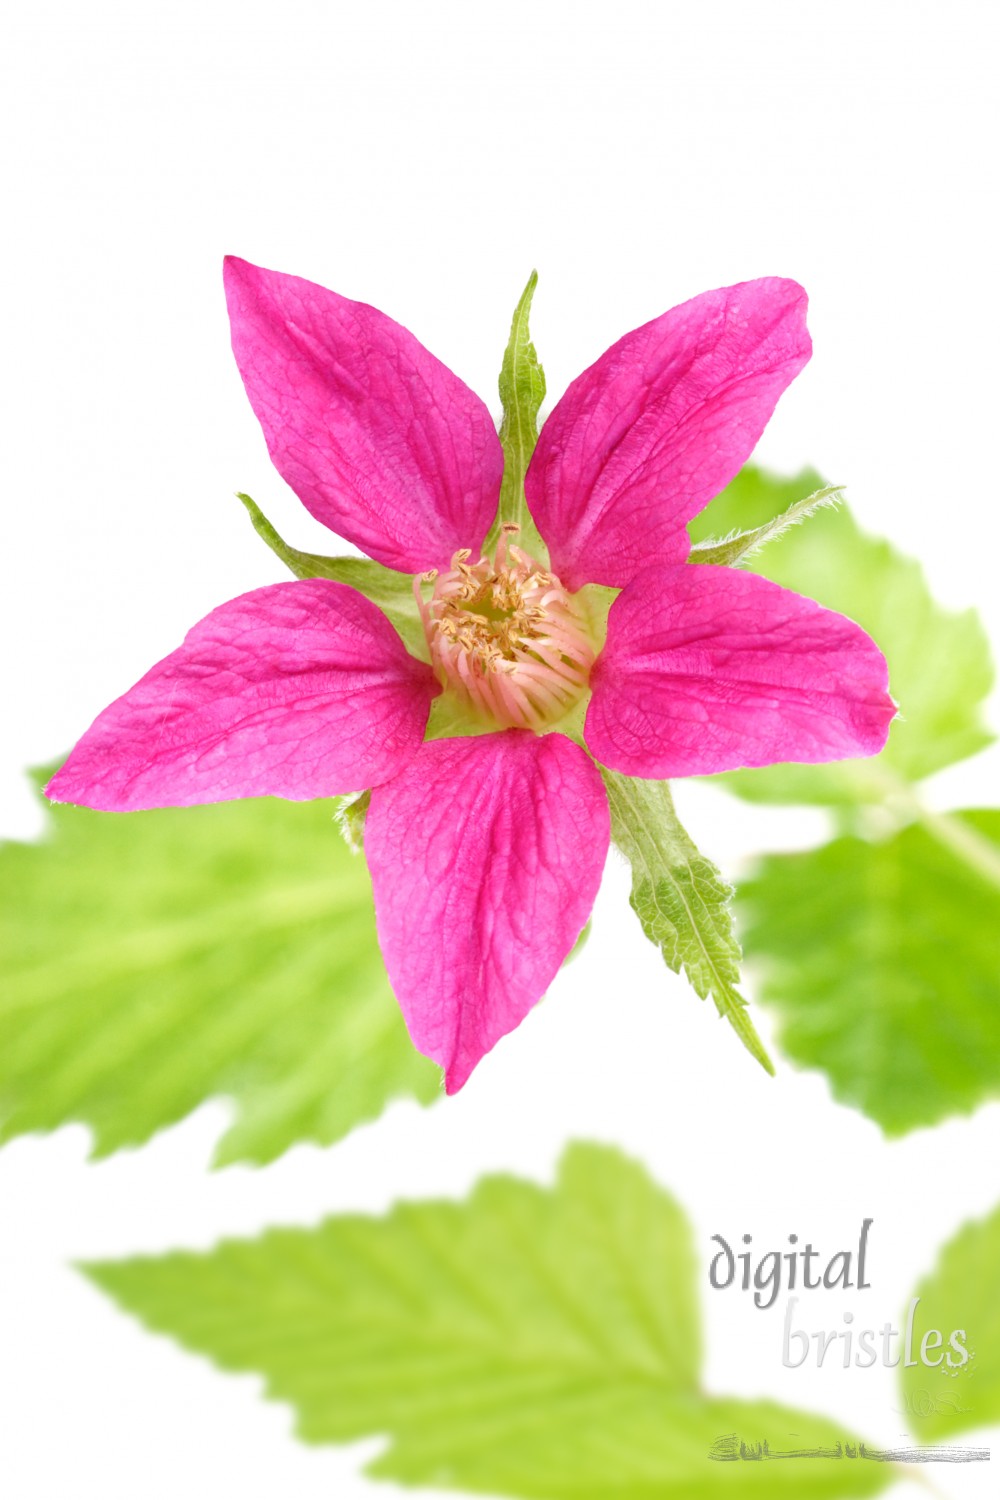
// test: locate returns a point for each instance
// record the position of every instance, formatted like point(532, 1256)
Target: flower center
point(506, 637)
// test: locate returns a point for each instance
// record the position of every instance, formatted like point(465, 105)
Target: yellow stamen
point(506, 637)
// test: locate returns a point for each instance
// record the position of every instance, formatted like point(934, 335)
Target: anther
point(506, 638)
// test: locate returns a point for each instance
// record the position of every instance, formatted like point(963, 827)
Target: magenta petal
point(297, 690)
point(486, 855)
point(380, 441)
point(706, 669)
point(643, 440)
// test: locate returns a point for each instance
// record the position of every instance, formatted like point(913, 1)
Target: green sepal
point(681, 900)
point(391, 591)
point(740, 546)
point(349, 814)
point(522, 391)
point(580, 943)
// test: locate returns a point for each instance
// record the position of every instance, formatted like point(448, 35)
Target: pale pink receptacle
point(486, 850)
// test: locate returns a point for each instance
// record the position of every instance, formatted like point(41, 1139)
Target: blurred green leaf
point(529, 1342)
point(522, 391)
point(391, 591)
point(939, 661)
point(883, 962)
point(962, 1293)
point(680, 898)
point(153, 960)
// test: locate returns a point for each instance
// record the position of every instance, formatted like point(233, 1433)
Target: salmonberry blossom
point(486, 849)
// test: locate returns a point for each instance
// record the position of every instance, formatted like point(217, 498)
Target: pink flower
point(486, 850)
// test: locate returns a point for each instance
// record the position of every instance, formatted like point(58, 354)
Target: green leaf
point(680, 898)
point(391, 591)
point(939, 661)
point(963, 1294)
point(883, 962)
point(154, 960)
point(522, 391)
point(529, 1342)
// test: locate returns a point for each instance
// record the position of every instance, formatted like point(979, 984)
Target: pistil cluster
point(506, 637)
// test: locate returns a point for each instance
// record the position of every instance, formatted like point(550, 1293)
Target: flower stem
point(952, 832)
point(977, 852)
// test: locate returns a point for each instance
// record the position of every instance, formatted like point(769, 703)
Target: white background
point(424, 157)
